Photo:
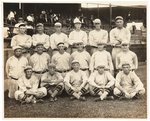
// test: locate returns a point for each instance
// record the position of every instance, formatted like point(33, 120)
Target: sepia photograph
point(75, 60)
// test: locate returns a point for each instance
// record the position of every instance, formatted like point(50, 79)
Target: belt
point(55, 49)
point(84, 69)
point(116, 46)
point(93, 46)
point(39, 72)
point(13, 78)
point(64, 71)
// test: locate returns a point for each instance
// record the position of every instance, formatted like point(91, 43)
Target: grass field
point(64, 108)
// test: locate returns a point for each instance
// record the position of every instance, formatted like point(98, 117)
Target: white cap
point(97, 21)
point(39, 24)
point(74, 61)
point(76, 20)
point(27, 67)
point(125, 42)
point(61, 43)
point(58, 24)
point(125, 63)
point(17, 47)
point(101, 66)
point(118, 18)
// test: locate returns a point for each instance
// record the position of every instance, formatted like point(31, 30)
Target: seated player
point(28, 88)
point(128, 85)
point(76, 82)
point(53, 82)
point(101, 83)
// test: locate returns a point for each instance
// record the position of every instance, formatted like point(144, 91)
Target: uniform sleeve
point(135, 61)
point(67, 79)
point(111, 79)
point(137, 82)
point(71, 39)
point(35, 84)
point(118, 79)
point(85, 38)
point(60, 78)
point(66, 40)
point(34, 41)
point(88, 57)
point(13, 42)
point(105, 38)
point(47, 43)
point(91, 79)
point(21, 85)
point(128, 34)
point(111, 67)
point(118, 62)
point(53, 60)
point(28, 42)
point(44, 76)
point(52, 42)
point(91, 67)
point(48, 58)
point(7, 68)
point(112, 37)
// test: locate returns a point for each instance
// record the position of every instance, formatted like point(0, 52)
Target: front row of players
point(100, 83)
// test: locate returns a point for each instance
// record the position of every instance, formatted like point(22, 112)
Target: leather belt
point(39, 72)
point(63, 71)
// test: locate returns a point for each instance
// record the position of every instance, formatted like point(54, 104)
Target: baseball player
point(41, 37)
point(39, 61)
point(126, 56)
point(77, 35)
point(62, 60)
point(58, 37)
point(101, 83)
point(14, 69)
point(118, 35)
point(101, 57)
point(76, 82)
point(83, 57)
point(128, 85)
point(28, 88)
point(23, 40)
point(53, 82)
point(97, 35)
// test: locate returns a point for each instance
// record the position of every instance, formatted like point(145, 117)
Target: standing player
point(77, 35)
point(62, 60)
point(126, 56)
point(58, 37)
point(53, 82)
point(118, 35)
point(101, 83)
point(101, 57)
point(15, 69)
point(76, 82)
point(83, 57)
point(41, 37)
point(23, 40)
point(28, 88)
point(39, 61)
point(128, 85)
point(97, 35)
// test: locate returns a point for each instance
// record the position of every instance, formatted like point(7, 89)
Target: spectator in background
point(6, 31)
point(11, 18)
point(43, 17)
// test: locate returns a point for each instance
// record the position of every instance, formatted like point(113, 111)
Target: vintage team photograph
point(75, 60)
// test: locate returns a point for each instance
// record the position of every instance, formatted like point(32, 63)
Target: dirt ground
point(64, 108)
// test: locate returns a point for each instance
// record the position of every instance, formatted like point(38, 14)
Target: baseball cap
point(97, 21)
point(118, 18)
point(61, 43)
point(39, 24)
point(27, 67)
point(125, 63)
point(58, 24)
point(17, 47)
point(76, 20)
point(74, 61)
point(101, 66)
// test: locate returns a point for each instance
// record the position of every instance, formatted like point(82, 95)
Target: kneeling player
point(53, 82)
point(28, 88)
point(101, 83)
point(128, 85)
point(76, 82)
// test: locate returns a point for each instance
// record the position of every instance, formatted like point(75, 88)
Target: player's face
point(40, 29)
point(58, 28)
point(97, 25)
point(61, 47)
point(101, 47)
point(18, 52)
point(80, 47)
point(40, 49)
point(119, 23)
point(28, 73)
point(125, 47)
point(126, 69)
point(76, 66)
point(51, 70)
point(77, 25)
point(22, 29)
point(100, 70)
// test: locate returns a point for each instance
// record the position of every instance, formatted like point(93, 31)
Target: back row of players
point(79, 72)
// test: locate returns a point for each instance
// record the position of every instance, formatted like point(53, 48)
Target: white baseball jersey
point(15, 67)
point(54, 79)
point(62, 61)
point(22, 40)
point(57, 38)
point(128, 82)
point(101, 58)
point(28, 84)
point(75, 79)
point(83, 58)
point(78, 36)
point(41, 38)
point(105, 79)
point(98, 36)
point(40, 62)
point(119, 34)
point(129, 57)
